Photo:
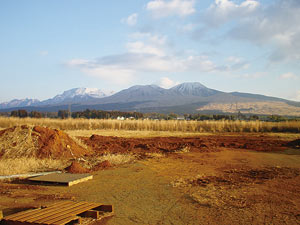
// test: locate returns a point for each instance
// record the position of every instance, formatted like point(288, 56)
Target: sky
point(50, 46)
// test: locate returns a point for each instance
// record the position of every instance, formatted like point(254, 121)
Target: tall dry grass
point(156, 125)
point(30, 165)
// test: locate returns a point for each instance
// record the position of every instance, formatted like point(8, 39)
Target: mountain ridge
point(191, 97)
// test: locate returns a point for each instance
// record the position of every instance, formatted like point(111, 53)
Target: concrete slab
point(62, 178)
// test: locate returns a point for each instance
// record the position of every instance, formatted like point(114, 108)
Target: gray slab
point(62, 178)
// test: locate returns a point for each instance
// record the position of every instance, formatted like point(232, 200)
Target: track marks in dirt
point(240, 177)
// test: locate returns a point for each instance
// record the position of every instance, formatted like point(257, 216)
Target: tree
point(35, 114)
point(22, 113)
point(63, 114)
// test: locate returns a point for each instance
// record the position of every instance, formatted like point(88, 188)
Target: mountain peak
point(76, 95)
point(194, 89)
point(151, 86)
point(19, 103)
point(92, 92)
point(189, 85)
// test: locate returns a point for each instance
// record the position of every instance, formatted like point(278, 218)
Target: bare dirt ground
point(205, 143)
point(215, 179)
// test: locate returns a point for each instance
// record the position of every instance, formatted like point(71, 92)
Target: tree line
point(101, 114)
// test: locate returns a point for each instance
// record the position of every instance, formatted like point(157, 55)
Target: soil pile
point(102, 166)
point(76, 167)
point(40, 142)
point(104, 144)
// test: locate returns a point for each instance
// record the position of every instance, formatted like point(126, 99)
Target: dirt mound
point(102, 166)
point(76, 167)
point(294, 144)
point(104, 144)
point(56, 143)
point(40, 142)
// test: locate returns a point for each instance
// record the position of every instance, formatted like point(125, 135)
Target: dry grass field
point(156, 125)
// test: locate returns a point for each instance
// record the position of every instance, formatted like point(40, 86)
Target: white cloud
point(154, 39)
point(110, 72)
point(130, 20)
point(166, 82)
point(150, 53)
point(125, 67)
point(113, 74)
point(275, 26)
point(162, 8)
point(142, 48)
point(222, 11)
point(290, 75)
point(141, 59)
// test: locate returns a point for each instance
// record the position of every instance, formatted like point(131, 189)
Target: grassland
point(156, 125)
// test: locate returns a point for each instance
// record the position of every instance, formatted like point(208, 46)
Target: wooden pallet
point(64, 212)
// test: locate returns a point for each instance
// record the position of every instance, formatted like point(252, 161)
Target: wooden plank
point(72, 211)
point(33, 211)
point(76, 211)
point(16, 215)
point(80, 180)
point(40, 211)
point(53, 212)
point(74, 219)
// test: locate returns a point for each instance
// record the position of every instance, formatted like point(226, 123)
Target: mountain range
point(190, 97)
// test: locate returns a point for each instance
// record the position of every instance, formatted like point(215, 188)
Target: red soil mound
point(57, 144)
point(40, 142)
point(103, 144)
point(102, 166)
point(75, 167)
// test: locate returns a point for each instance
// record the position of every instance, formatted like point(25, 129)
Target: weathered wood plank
point(74, 219)
point(53, 212)
point(72, 211)
point(43, 211)
point(33, 211)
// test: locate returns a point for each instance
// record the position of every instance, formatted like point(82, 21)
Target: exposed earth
point(40, 142)
point(213, 179)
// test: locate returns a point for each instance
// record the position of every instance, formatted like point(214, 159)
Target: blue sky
point(49, 46)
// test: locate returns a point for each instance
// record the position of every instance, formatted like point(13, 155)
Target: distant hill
point(183, 98)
